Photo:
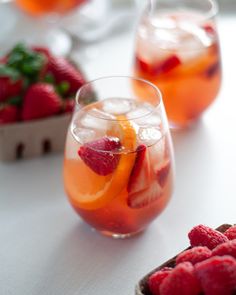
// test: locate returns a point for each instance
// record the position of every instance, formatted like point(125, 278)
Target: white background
point(44, 246)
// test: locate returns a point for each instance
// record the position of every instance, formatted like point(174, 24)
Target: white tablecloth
point(44, 246)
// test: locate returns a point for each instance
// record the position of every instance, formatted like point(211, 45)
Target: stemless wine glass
point(118, 167)
point(177, 49)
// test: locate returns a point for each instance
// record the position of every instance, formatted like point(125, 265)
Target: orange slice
point(90, 191)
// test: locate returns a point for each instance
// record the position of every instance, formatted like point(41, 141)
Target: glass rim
point(211, 13)
point(151, 85)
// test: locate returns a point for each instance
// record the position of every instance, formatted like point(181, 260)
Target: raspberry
point(181, 281)
point(217, 275)
point(194, 255)
point(156, 279)
point(228, 248)
point(202, 235)
point(231, 233)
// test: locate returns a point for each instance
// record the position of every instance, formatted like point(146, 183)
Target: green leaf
point(49, 78)
point(15, 100)
point(63, 88)
point(26, 61)
point(6, 71)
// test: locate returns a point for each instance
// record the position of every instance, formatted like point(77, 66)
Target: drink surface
point(179, 52)
point(118, 165)
point(39, 7)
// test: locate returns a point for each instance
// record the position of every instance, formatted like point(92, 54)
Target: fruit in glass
point(118, 167)
point(40, 7)
point(177, 49)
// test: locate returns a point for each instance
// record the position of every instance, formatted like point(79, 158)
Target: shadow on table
point(195, 168)
point(85, 259)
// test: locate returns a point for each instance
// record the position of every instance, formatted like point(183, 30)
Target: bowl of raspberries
point(37, 97)
point(207, 267)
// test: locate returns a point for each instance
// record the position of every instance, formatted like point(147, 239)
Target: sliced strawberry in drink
point(212, 70)
point(166, 65)
point(209, 29)
point(100, 155)
point(145, 197)
point(162, 173)
point(140, 175)
point(142, 65)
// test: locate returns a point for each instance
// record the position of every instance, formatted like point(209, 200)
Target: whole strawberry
point(8, 114)
point(11, 83)
point(40, 101)
point(63, 71)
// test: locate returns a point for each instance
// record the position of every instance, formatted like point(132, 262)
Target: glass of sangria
point(42, 7)
point(177, 49)
point(118, 166)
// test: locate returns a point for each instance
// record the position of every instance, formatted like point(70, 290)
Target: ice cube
point(192, 41)
point(96, 119)
point(117, 106)
point(140, 111)
point(72, 147)
point(152, 120)
point(149, 135)
point(83, 135)
point(157, 152)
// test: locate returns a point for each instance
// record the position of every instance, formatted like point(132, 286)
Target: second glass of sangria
point(177, 49)
point(118, 167)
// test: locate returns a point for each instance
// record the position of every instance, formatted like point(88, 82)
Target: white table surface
point(44, 246)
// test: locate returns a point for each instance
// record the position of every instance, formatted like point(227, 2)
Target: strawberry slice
point(167, 65)
point(162, 173)
point(99, 156)
point(145, 197)
point(161, 67)
point(142, 65)
point(140, 175)
point(209, 29)
point(212, 70)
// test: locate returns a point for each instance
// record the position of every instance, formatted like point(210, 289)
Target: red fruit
point(69, 105)
point(161, 67)
point(194, 255)
point(9, 88)
point(162, 174)
point(142, 65)
point(63, 71)
point(8, 114)
point(146, 197)
point(40, 101)
point(156, 279)
point(140, 175)
point(202, 235)
point(166, 66)
point(209, 29)
point(228, 248)
point(217, 275)
point(3, 60)
point(230, 233)
point(213, 69)
point(181, 281)
point(101, 155)
point(43, 50)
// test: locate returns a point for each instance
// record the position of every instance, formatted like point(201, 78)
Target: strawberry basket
point(31, 139)
point(37, 91)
